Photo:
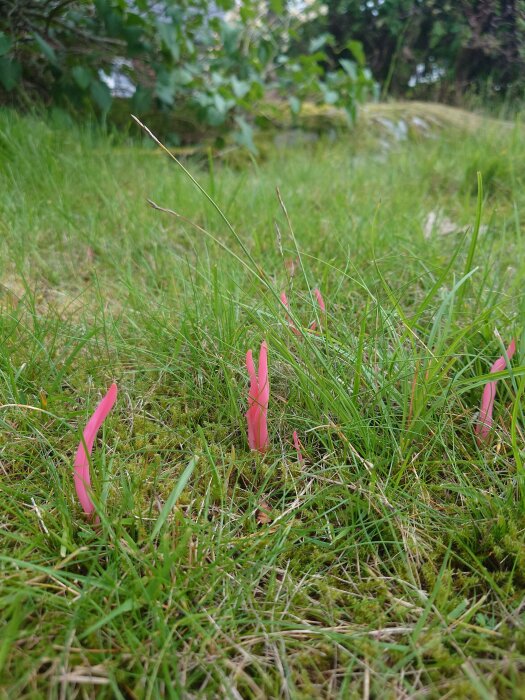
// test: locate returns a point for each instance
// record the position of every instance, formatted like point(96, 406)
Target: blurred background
point(198, 70)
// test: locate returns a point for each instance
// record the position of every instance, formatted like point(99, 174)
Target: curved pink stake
point(297, 445)
point(258, 398)
point(81, 465)
point(285, 303)
point(320, 301)
point(484, 424)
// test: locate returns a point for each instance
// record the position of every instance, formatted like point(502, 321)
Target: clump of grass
point(391, 562)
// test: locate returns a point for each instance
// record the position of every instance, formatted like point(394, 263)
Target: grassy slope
point(393, 565)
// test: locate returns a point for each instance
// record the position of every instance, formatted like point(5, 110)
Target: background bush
point(210, 63)
point(437, 48)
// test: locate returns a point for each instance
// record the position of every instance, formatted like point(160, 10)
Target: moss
point(500, 545)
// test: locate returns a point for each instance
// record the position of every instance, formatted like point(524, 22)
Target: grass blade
point(174, 495)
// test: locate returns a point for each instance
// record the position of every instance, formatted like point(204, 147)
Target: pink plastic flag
point(258, 398)
point(81, 466)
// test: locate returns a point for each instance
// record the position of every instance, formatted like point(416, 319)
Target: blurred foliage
point(438, 48)
point(208, 63)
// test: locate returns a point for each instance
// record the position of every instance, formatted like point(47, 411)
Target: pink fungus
point(81, 466)
point(484, 423)
point(297, 447)
point(258, 398)
point(320, 301)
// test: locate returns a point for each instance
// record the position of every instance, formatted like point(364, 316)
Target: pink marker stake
point(484, 424)
point(258, 398)
point(81, 465)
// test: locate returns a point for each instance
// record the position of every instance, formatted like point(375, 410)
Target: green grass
point(393, 565)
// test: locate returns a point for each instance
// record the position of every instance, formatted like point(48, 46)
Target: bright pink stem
point(290, 322)
point(81, 466)
point(320, 301)
point(297, 447)
point(484, 424)
point(258, 398)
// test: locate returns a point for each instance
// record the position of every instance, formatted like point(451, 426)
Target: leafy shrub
point(209, 62)
point(433, 47)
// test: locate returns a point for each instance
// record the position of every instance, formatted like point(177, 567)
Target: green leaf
point(220, 103)
point(182, 76)
point(82, 76)
point(45, 48)
point(101, 95)
point(5, 43)
point(295, 104)
point(10, 73)
point(330, 96)
point(231, 36)
point(240, 87)
point(247, 12)
point(202, 99)
point(244, 136)
point(318, 42)
point(214, 117)
point(174, 495)
point(114, 24)
point(168, 35)
point(165, 87)
point(349, 68)
point(356, 49)
point(103, 7)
